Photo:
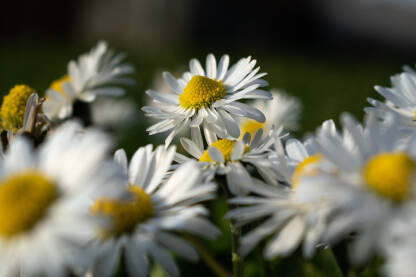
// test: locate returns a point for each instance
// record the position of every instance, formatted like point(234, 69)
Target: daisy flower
point(283, 110)
point(376, 182)
point(230, 157)
point(400, 252)
point(44, 198)
point(114, 113)
point(399, 100)
point(144, 226)
point(209, 99)
point(94, 74)
point(291, 212)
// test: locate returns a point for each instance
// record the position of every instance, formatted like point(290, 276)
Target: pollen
point(13, 107)
point(251, 126)
point(24, 200)
point(225, 146)
point(201, 92)
point(127, 214)
point(306, 168)
point(390, 175)
point(57, 84)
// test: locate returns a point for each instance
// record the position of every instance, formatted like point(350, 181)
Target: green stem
point(208, 259)
point(237, 260)
point(238, 265)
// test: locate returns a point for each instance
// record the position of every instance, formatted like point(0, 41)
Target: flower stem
point(238, 266)
point(237, 259)
point(207, 257)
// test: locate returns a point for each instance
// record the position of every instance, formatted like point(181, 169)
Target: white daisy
point(283, 110)
point(375, 179)
point(114, 113)
point(144, 226)
point(44, 200)
point(209, 97)
point(292, 212)
point(400, 100)
point(94, 74)
point(230, 157)
point(400, 252)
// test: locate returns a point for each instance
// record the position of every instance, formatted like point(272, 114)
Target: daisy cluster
point(69, 206)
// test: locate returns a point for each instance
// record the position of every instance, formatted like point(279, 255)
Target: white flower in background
point(401, 250)
point(210, 97)
point(146, 225)
point(376, 182)
point(44, 201)
point(228, 156)
point(399, 100)
point(97, 73)
point(299, 159)
point(400, 261)
point(283, 111)
point(114, 113)
point(292, 212)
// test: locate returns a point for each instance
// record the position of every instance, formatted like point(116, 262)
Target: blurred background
point(327, 53)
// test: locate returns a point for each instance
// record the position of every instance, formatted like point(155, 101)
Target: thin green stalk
point(207, 258)
point(238, 265)
point(237, 259)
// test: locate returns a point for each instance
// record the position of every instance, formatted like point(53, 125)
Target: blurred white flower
point(210, 98)
point(399, 100)
point(283, 111)
point(375, 183)
point(97, 73)
point(291, 211)
point(146, 225)
point(114, 113)
point(45, 195)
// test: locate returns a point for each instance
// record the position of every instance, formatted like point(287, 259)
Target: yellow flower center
point(251, 126)
point(57, 84)
point(125, 215)
point(201, 92)
point(390, 175)
point(306, 168)
point(24, 200)
point(13, 107)
point(225, 146)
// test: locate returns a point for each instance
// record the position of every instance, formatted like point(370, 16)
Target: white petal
point(287, 240)
point(211, 66)
point(216, 154)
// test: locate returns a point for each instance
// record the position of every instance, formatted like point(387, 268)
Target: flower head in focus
point(229, 157)
point(209, 98)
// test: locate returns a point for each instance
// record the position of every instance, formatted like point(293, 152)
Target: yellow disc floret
point(251, 126)
point(306, 168)
point(57, 84)
point(390, 175)
point(225, 146)
point(24, 200)
point(13, 107)
point(201, 92)
point(125, 214)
